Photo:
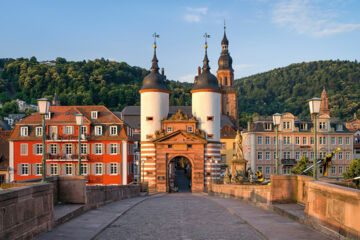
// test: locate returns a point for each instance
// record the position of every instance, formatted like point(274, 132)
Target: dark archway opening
point(180, 175)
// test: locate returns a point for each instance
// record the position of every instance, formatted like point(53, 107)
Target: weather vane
point(206, 36)
point(224, 25)
point(155, 36)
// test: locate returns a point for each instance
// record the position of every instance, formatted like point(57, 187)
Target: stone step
point(293, 211)
point(66, 212)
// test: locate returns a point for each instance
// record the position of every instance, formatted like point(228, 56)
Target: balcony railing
point(288, 161)
point(57, 137)
point(67, 157)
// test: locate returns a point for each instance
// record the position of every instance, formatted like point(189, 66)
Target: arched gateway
point(179, 174)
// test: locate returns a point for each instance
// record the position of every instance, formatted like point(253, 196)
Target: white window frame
point(267, 156)
point(259, 140)
point(68, 130)
point(333, 170)
point(267, 140)
point(54, 169)
point(297, 156)
point(98, 130)
point(347, 140)
point(267, 170)
point(38, 169)
point(340, 169)
point(340, 140)
point(23, 167)
point(304, 140)
point(333, 140)
point(24, 131)
point(24, 149)
point(38, 131)
point(297, 140)
point(267, 126)
point(113, 131)
point(94, 114)
point(113, 146)
point(68, 147)
point(52, 148)
point(83, 130)
point(114, 169)
point(98, 149)
point(98, 169)
point(169, 129)
point(260, 156)
point(69, 169)
point(347, 155)
point(84, 169)
point(83, 148)
point(38, 149)
point(340, 155)
point(190, 129)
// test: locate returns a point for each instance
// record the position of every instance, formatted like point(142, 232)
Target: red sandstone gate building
point(106, 146)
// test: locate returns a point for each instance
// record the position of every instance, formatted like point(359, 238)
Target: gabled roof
point(65, 114)
point(184, 133)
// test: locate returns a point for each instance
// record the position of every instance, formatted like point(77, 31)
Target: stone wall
point(256, 194)
point(284, 188)
point(100, 195)
point(26, 211)
point(72, 189)
point(333, 208)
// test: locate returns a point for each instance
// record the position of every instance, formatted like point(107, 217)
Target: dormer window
point(267, 126)
point(24, 131)
point(339, 127)
point(303, 126)
point(48, 116)
point(286, 125)
point(94, 114)
point(113, 130)
point(98, 130)
point(38, 131)
point(322, 125)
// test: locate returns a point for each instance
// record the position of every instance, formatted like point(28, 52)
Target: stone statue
point(238, 146)
point(227, 176)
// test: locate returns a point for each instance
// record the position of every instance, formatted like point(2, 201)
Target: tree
point(302, 164)
point(353, 171)
point(9, 108)
point(4, 97)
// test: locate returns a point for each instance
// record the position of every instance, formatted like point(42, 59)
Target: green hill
point(287, 89)
point(116, 85)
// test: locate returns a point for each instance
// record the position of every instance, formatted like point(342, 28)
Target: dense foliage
point(116, 85)
point(302, 164)
point(101, 81)
point(353, 171)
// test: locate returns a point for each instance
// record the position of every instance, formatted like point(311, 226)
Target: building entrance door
point(180, 175)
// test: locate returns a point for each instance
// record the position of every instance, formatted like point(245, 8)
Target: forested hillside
point(288, 89)
point(116, 85)
point(101, 81)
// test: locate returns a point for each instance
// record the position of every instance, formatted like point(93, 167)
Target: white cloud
point(194, 14)
point(187, 78)
point(304, 17)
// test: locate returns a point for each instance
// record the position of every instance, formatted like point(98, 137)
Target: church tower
point(206, 96)
point(324, 109)
point(154, 101)
point(225, 76)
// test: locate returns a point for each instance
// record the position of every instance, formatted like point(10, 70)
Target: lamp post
point(43, 107)
point(79, 121)
point(314, 105)
point(276, 121)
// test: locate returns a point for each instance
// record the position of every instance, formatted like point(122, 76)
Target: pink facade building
point(296, 139)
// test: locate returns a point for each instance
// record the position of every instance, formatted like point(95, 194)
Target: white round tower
point(154, 101)
point(206, 100)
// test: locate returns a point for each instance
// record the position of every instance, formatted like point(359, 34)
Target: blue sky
point(263, 34)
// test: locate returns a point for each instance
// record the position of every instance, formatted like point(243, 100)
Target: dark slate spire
point(225, 60)
point(206, 80)
point(154, 80)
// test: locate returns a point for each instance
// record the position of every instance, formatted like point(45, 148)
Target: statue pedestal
point(238, 168)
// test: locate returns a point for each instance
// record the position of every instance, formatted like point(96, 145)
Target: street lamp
point(276, 121)
point(43, 107)
point(79, 121)
point(314, 105)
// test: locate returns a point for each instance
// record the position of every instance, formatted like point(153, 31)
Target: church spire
point(206, 66)
point(154, 66)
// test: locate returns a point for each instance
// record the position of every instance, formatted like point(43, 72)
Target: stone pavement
point(269, 224)
point(178, 216)
point(89, 224)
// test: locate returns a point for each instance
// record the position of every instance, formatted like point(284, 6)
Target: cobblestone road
point(178, 216)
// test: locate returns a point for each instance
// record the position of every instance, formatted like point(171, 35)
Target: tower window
point(149, 118)
point(210, 118)
point(149, 136)
point(169, 129)
point(210, 136)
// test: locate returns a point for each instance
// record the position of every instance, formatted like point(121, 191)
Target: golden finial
point(155, 36)
point(206, 36)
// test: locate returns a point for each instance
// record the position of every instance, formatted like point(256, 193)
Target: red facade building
point(106, 146)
